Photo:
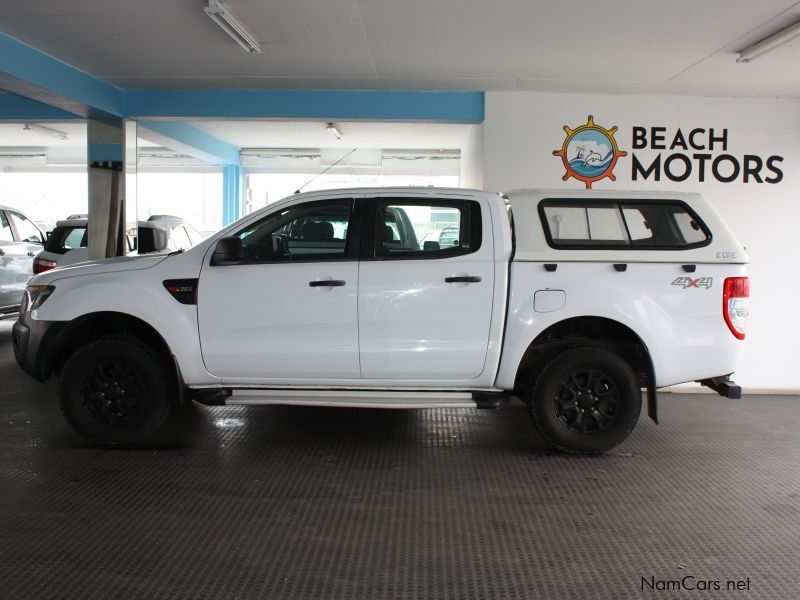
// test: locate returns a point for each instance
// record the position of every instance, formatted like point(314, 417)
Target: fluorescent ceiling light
point(770, 43)
point(222, 17)
point(45, 130)
point(334, 131)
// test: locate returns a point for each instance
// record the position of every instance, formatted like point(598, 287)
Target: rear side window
point(413, 229)
point(151, 239)
point(635, 225)
point(62, 239)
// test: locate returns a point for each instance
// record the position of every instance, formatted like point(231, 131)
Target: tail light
point(40, 265)
point(736, 304)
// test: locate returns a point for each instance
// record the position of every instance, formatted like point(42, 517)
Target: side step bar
point(723, 386)
point(351, 398)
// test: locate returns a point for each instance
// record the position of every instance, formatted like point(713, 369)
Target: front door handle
point(327, 283)
point(462, 279)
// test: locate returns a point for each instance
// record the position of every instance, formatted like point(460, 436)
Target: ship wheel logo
point(589, 153)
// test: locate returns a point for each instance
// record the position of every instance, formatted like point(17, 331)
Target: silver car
point(20, 241)
point(66, 244)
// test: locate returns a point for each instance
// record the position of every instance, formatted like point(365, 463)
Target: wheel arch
point(93, 326)
point(590, 331)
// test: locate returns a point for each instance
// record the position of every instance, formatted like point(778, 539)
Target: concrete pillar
point(106, 151)
point(472, 158)
point(131, 208)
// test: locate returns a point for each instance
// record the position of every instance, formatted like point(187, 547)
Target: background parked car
point(446, 237)
point(20, 241)
point(67, 243)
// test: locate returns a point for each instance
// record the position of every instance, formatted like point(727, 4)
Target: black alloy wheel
point(114, 390)
point(585, 400)
point(110, 393)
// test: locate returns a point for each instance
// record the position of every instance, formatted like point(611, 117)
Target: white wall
point(521, 130)
point(45, 196)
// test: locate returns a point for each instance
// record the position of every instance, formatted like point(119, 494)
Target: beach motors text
point(700, 154)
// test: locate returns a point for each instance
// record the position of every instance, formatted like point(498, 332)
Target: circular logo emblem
point(589, 153)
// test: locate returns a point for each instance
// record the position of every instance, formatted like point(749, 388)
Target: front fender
point(142, 296)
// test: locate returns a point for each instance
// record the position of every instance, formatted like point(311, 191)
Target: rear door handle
point(327, 283)
point(462, 279)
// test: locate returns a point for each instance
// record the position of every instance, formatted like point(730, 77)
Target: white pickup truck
point(572, 301)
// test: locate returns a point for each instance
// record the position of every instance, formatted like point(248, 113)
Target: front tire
point(114, 391)
point(586, 400)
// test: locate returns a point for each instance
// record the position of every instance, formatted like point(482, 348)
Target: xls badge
point(589, 153)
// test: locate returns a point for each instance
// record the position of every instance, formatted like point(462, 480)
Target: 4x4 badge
point(699, 282)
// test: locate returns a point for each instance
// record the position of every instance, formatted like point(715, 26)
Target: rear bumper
point(33, 342)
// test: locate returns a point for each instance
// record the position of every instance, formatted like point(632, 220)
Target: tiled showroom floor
point(341, 503)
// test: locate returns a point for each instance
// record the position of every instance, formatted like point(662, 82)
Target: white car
point(20, 241)
point(572, 301)
point(66, 244)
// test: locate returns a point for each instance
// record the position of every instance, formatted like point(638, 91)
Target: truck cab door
point(425, 294)
point(288, 310)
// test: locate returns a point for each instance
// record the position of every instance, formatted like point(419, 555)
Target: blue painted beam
point(183, 137)
point(106, 153)
point(14, 107)
point(453, 107)
point(232, 194)
point(25, 70)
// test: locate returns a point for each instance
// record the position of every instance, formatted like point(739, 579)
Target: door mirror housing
point(228, 251)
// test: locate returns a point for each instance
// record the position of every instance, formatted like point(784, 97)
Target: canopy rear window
point(622, 224)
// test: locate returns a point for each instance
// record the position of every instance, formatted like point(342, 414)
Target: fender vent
point(183, 290)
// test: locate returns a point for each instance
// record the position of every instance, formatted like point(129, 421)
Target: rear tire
point(114, 391)
point(586, 400)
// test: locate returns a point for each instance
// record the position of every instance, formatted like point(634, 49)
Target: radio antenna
point(298, 190)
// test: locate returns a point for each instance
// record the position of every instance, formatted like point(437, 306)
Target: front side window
point(635, 224)
point(313, 231)
point(422, 229)
point(5, 229)
point(28, 232)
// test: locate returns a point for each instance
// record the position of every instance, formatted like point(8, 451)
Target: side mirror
point(228, 251)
